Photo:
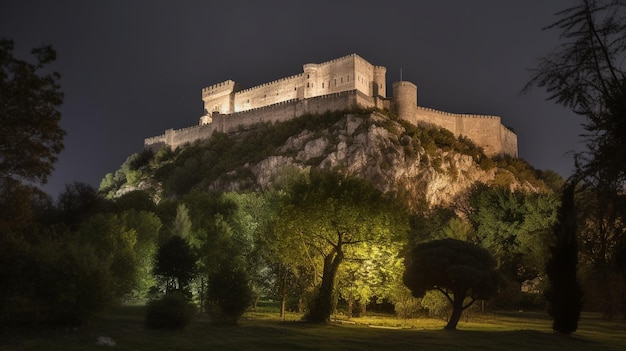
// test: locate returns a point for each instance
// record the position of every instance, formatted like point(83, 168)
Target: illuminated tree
point(327, 218)
point(461, 271)
point(371, 272)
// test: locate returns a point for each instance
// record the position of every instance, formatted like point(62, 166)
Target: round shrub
point(172, 311)
point(229, 295)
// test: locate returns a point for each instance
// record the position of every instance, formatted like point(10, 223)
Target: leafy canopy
point(456, 268)
point(30, 135)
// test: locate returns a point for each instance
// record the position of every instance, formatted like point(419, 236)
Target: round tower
point(310, 80)
point(405, 100)
point(380, 83)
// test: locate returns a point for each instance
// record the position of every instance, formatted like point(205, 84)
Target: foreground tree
point(327, 218)
point(564, 295)
point(586, 73)
point(175, 265)
point(30, 135)
point(461, 271)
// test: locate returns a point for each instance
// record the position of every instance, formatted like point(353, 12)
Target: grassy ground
point(264, 331)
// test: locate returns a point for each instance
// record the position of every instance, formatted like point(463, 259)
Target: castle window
point(307, 76)
point(348, 77)
point(322, 85)
point(335, 81)
point(341, 80)
point(307, 85)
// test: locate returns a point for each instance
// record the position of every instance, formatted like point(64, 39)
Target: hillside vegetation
point(424, 163)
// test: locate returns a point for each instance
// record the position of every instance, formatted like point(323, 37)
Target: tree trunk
point(300, 304)
point(323, 302)
point(283, 303)
point(457, 310)
point(350, 303)
point(454, 318)
point(202, 297)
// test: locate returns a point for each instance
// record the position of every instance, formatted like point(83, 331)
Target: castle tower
point(310, 80)
point(405, 100)
point(219, 97)
point(380, 83)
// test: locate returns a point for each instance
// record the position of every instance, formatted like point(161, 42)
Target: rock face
point(375, 148)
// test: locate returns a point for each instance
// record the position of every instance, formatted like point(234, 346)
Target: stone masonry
point(338, 84)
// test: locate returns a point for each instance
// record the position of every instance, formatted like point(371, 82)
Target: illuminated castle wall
point(334, 85)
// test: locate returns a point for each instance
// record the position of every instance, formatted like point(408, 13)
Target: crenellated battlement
point(338, 84)
point(463, 115)
point(274, 82)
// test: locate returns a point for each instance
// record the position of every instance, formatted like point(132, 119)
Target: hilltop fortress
point(334, 85)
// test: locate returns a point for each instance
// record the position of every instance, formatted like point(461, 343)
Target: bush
point(172, 311)
point(229, 295)
point(57, 283)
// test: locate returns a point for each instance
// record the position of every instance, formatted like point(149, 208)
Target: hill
point(425, 165)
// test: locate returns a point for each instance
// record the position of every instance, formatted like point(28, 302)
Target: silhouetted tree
point(564, 295)
point(458, 269)
point(229, 293)
point(175, 265)
point(78, 202)
point(586, 74)
point(30, 135)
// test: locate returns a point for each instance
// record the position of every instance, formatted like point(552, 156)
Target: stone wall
point(485, 131)
point(338, 84)
point(343, 74)
point(279, 112)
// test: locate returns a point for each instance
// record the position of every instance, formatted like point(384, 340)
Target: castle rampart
point(337, 84)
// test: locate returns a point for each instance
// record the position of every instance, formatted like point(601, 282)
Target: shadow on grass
point(125, 326)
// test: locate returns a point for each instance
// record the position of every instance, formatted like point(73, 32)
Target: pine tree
point(564, 294)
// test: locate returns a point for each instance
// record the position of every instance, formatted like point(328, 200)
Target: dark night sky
point(131, 69)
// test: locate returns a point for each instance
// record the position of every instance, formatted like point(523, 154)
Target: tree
point(182, 222)
point(564, 295)
point(125, 243)
point(586, 73)
point(175, 265)
point(601, 234)
point(30, 135)
point(229, 293)
point(327, 217)
point(514, 227)
point(78, 202)
point(458, 269)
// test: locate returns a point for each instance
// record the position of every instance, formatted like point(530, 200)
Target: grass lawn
point(264, 331)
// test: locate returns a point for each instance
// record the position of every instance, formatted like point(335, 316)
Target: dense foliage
point(459, 270)
point(30, 135)
point(172, 311)
point(330, 218)
point(586, 74)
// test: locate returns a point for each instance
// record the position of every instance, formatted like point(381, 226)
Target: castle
point(333, 85)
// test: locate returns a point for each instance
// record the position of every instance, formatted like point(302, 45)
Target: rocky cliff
point(425, 165)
